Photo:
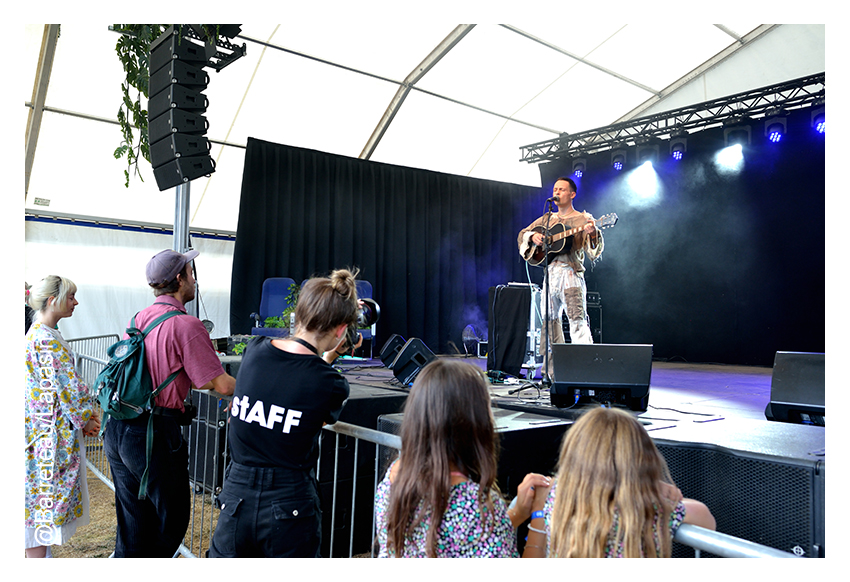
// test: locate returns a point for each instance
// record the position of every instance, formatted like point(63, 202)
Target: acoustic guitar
point(558, 237)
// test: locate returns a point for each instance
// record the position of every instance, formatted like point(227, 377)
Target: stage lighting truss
point(579, 166)
point(775, 125)
point(678, 144)
point(795, 94)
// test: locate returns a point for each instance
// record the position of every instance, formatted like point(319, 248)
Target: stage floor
point(678, 391)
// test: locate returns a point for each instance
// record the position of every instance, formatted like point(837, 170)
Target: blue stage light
point(618, 158)
point(775, 132)
point(578, 167)
point(678, 144)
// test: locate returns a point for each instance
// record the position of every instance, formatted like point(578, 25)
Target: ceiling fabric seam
point(581, 59)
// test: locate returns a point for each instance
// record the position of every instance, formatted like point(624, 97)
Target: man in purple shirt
point(155, 526)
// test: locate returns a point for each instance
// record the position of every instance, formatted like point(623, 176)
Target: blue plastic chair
point(273, 301)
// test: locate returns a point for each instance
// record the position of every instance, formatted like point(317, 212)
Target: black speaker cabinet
point(798, 388)
point(410, 360)
point(391, 349)
point(208, 455)
point(513, 327)
point(763, 481)
point(618, 374)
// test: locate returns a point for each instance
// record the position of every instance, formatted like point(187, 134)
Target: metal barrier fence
point(207, 439)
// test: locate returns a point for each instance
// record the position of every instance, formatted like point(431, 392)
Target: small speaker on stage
point(391, 350)
point(412, 357)
point(797, 388)
point(617, 374)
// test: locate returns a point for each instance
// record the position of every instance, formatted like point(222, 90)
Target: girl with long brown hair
point(613, 495)
point(440, 499)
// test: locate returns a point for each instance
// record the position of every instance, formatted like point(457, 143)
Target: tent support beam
point(432, 59)
point(39, 94)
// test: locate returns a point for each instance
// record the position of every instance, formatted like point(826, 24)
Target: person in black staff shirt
point(285, 392)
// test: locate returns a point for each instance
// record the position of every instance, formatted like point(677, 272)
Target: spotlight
point(579, 165)
point(730, 159)
point(618, 158)
point(775, 124)
point(678, 144)
point(737, 131)
point(819, 120)
point(647, 151)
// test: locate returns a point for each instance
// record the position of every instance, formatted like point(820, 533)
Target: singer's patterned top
point(574, 250)
point(461, 532)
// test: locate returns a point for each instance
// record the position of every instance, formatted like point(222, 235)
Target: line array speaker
point(179, 150)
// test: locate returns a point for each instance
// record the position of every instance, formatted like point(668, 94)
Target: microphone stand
point(545, 380)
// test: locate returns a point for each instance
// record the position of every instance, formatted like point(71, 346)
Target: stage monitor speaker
point(391, 349)
point(797, 388)
point(412, 357)
point(617, 374)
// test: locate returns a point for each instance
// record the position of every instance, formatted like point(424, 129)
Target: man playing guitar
point(566, 262)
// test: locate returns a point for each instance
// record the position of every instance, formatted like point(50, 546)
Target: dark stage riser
point(763, 481)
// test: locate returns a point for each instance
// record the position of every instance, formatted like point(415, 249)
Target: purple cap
point(165, 265)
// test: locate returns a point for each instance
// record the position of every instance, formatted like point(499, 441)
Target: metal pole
point(181, 233)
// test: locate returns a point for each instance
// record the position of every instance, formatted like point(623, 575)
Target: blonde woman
point(612, 497)
point(58, 412)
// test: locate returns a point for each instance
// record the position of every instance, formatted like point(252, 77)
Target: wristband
point(536, 514)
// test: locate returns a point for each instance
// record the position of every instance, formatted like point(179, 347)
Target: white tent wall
point(108, 267)
point(781, 54)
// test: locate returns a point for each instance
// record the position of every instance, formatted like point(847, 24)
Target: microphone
point(552, 199)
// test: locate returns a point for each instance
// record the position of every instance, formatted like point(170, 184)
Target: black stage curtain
point(431, 244)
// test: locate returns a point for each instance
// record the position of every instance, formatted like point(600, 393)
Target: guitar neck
point(565, 234)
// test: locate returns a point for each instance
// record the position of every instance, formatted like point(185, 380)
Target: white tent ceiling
point(327, 86)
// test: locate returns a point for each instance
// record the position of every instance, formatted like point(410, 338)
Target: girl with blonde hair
point(613, 495)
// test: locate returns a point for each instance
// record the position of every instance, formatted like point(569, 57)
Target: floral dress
point(461, 532)
point(57, 405)
point(612, 549)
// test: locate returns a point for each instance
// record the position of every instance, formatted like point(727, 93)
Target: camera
point(367, 316)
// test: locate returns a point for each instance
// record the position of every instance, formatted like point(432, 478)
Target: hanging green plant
point(133, 49)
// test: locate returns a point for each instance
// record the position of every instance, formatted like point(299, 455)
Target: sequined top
point(462, 534)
